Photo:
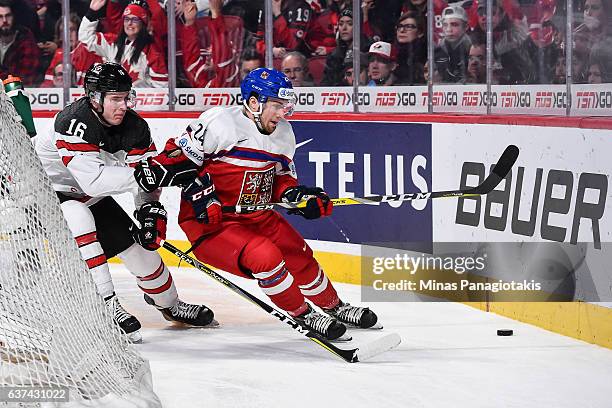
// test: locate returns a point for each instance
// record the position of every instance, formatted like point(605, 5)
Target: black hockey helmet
point(107, 77)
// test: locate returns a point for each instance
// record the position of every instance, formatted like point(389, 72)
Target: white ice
point(450, 356)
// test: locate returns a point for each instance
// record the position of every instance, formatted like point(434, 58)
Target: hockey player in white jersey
point(244, 156)
point(89, 156)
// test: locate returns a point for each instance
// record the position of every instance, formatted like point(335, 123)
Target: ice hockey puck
point(505, 332)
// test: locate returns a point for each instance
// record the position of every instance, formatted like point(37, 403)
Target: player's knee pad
point(82, 224)
point(79, 218)
point(260, 255)
point(265, 262)
point(152, 274)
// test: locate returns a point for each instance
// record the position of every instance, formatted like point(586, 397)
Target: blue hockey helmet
point(267, 83)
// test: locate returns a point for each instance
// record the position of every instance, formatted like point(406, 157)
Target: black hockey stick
point(501, 169)
point(364, 352)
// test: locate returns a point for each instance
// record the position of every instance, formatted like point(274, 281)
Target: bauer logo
point(348, 160)
point(559, 201)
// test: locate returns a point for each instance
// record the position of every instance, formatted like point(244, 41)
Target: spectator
point(57, 79)
point(334, 64)
point(295, 66)
point(559, 73)
point(581, 55)
point(80, 57)
point(219, 71)
point(133, 47)
point(511, 41)
point(292, 21)
point(379, 18)
point(157, 24)
point(411, 48)
point(477, 64)
point(597, 16)
point(48, 12)
point(600, 63)
point(321, 38)
point(381, 65)
point(347, 74)
point(250, 60)
point(19, 54)
point(420, 6)
point(451, 55)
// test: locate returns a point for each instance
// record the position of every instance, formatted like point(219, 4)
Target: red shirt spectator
point(321, 38)
point(19, 54)
point(222, 71)
point(292, 21)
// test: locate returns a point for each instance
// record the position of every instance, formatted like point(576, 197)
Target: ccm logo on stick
point(582, 199)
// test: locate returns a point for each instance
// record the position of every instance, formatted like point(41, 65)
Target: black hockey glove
point(152, 218)
point(203, 199)
point(165, 170)
point(318, 205)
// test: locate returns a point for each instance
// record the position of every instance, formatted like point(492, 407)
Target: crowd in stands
point(220, 41)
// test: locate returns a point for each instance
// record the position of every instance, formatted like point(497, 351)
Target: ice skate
point(126, 322)
point(355, 316)
point(327, 327)
point(186, 313)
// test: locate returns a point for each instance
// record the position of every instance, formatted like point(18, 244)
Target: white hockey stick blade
point(378, 346)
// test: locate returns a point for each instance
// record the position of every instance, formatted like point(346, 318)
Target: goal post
point(55, 331)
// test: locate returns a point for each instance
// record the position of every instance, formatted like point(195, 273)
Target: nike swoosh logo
point(242, 140)
point(305, 142)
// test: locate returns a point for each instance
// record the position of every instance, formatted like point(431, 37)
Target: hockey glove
point(318, 205)
point(167, 169)
point(152, 218)
point(202, 197)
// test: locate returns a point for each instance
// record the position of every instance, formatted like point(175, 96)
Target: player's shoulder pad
point(77, 119)
point(137, 130)
point(222, 123)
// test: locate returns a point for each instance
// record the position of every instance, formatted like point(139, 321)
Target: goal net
point(55, 332)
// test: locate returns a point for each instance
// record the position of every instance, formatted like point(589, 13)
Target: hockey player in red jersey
point(89, 156)
point(244, 155)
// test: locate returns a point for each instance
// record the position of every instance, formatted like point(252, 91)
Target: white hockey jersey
point(247, 167)
point(87, 161)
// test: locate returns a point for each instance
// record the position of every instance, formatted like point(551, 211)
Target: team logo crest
point(257, 187)
point(264, 75)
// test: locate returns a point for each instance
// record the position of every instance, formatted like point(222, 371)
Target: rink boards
point(557, 192)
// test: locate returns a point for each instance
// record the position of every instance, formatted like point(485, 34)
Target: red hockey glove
point(202, 197)
point(318, 205)
point(170, 168)
point(152, 218)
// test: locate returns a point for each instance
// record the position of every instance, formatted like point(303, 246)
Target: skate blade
point(135, 337)
point(212, 325)
point(343, 339)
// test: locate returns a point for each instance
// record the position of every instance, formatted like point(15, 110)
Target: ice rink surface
point(450, 356)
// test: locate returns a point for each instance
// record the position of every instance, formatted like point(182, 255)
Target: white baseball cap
point(455, 11)
point(381, 48)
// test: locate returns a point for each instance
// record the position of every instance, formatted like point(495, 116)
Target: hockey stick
point(362, 353)
point(501, 169)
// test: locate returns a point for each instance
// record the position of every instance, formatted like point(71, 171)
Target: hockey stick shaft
point(347, 355)
point(499, 172)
